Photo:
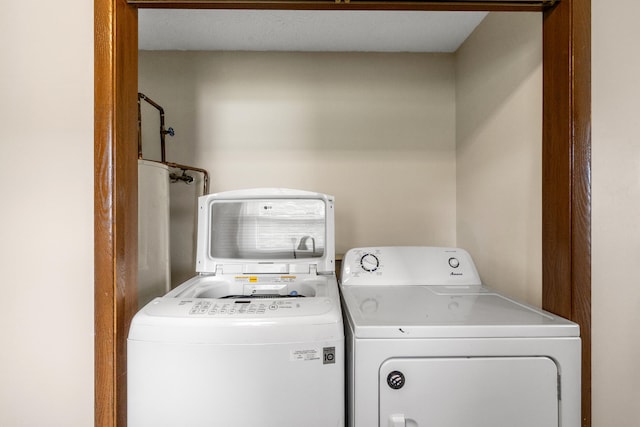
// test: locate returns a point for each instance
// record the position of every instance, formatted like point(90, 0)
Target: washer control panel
point(238, 308)
point(242, 307)
point(409, 265)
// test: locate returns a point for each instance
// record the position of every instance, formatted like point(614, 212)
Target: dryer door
point(474, 391)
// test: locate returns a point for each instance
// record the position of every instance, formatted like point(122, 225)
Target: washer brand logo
point(456, 274)
point(329, 355)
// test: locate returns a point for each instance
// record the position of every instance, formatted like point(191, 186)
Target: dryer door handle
point(397, 420)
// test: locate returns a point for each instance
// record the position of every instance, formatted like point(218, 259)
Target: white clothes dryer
point(429, 345)
point(256, 338)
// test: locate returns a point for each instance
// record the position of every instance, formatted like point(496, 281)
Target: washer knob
point(454, 262)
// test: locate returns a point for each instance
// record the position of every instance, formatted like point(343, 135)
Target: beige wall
point(379, 132)
point(375, 130)
point(616, 213)
point(499, 151)
point(46, 213)
point(46, 309)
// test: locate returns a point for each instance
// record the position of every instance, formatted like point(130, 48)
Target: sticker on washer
point(329, 355)
point(304, 355)
point(265, 279)
point(246, 279)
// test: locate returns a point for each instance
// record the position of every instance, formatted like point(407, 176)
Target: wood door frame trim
point(566, 209)
point(566, 177)
point(115, 201)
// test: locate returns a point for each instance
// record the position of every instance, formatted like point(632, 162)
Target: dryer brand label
point(305, 355)
point(395, 380)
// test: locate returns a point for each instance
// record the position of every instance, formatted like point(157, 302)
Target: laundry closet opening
point(566, 204)
point(424, 138)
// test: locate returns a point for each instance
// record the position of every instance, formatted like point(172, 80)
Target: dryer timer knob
point(369, 262)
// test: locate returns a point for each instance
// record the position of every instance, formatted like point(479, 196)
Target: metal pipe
point(205, 174)
point(139, 128)
point(187, 179)
point(163, 131)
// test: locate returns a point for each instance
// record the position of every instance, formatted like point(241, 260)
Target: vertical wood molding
point(581, 194)
point(115, 200)
point(566, 210)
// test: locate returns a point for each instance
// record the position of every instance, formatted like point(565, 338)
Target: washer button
point(454, 263)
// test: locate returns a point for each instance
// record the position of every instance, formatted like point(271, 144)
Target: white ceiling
point(289, 30)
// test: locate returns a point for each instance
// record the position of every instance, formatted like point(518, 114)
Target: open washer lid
point(265, 230)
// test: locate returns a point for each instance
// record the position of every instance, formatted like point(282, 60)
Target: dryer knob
point(396, 380)
point(369, 262)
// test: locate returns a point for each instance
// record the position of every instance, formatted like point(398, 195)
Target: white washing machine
point(428, 345)
point(256, 338)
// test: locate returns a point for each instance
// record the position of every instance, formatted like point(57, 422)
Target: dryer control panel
point(409, 265)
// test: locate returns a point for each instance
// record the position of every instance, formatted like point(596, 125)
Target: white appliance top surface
point(243, 310)
point(422, 291)
point(445, 311)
